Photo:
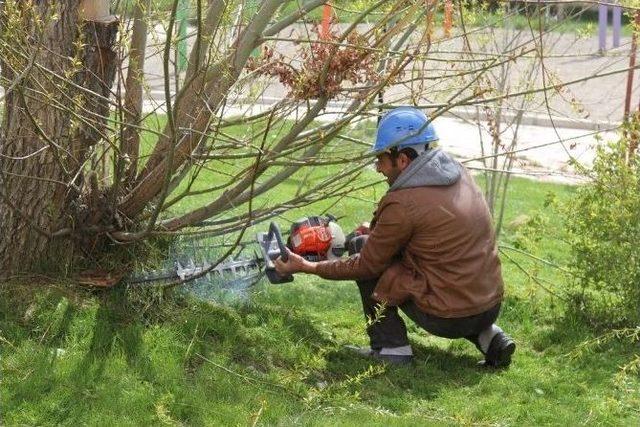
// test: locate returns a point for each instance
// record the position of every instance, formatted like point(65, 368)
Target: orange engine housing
point(310, 237)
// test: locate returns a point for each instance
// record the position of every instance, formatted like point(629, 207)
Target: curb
point(535, 119)
point(469, 113)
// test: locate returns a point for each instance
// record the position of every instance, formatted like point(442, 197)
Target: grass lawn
point(76, 357)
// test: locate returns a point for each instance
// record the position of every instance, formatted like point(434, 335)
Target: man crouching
point(431, 250)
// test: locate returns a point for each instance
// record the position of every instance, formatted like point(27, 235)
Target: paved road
point(566, 58)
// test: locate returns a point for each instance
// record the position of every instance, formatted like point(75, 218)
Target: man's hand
point(296, 264)
point(362, 229)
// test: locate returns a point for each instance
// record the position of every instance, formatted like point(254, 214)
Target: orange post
point(431, 6)
point(448, 18)
point(326, 21)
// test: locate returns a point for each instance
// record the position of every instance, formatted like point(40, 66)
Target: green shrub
point(603, 221)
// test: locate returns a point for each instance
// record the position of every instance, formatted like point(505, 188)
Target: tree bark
point(96, 75)
point(45, 138)
point(133, 97)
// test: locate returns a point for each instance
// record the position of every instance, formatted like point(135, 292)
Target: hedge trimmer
point(315, 238)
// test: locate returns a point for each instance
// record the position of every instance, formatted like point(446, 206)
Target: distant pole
point(448, 18)
point(632, 64)
point(602, 27)
point(617, 25)
point(633, 137)
point(326, 21)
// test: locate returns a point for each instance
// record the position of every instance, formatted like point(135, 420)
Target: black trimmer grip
point(274, 231)
point(271, 252)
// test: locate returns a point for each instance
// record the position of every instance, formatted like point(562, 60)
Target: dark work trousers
point(386, 328)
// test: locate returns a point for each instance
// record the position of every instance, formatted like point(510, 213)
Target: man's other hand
point(295, 264)
point(362, 229)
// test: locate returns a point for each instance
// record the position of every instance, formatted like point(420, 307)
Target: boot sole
point(505, 355)
point(504, 359)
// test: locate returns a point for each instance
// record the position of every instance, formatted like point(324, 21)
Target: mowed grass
point(133, 357)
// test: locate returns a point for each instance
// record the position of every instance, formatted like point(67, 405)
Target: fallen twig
point(249, 379)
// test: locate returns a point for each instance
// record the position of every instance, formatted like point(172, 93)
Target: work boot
point(394, 355)
point(499, 353)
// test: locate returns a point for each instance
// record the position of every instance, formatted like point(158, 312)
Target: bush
point(603, 221)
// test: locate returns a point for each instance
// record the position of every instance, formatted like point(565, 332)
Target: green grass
point(75, 357)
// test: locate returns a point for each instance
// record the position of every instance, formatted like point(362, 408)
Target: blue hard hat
point(403, 127)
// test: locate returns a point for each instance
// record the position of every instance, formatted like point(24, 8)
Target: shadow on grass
point(117, 327)
point(62, 344)
point(256, 335)
point(34, 312)
point(432, 370)
point(282, 341)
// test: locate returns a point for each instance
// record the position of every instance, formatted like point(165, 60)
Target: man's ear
point(403, 161)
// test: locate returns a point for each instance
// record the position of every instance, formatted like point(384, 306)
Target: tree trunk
point(133, 97)
point(46, 135)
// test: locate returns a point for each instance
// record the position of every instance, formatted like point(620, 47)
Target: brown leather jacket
point(432, 244)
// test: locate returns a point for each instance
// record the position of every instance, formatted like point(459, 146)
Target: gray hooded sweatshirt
point(431, 168)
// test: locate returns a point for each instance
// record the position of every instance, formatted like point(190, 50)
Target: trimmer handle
point(271, 252)
point(274, 231)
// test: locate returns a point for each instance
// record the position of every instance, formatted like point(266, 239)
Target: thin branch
point(533, 278)
point(530, 255)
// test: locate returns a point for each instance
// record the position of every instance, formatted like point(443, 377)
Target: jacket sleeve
point(391, 233)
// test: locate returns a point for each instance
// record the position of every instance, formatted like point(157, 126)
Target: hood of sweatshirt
point(430, 168)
